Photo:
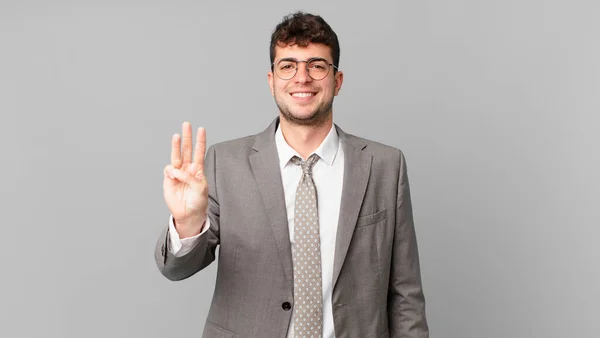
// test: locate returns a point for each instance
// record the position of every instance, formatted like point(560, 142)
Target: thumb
point(185, 177)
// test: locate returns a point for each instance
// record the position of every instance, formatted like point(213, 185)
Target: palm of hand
point(184, 199)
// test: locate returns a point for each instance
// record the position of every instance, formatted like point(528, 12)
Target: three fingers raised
point(181, 148)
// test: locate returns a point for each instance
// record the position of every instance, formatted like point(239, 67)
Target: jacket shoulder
point(234, 147)
point(380, 151)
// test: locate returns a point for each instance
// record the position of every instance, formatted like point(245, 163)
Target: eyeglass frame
point(335, 68)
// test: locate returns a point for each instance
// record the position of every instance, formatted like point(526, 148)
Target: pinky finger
point(168, 172)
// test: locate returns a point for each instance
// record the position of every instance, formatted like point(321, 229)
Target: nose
point(302, 73)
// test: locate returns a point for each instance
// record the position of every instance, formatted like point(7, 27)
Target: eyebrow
point(310, 59)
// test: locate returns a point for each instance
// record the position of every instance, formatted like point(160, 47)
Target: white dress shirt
point(328, 173)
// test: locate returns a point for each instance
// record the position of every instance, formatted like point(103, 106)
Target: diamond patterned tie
point(308, 295)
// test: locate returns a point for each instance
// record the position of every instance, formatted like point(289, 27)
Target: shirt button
point(286, 306)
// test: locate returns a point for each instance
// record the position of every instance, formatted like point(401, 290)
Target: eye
point(318, 65)
point(287, 66)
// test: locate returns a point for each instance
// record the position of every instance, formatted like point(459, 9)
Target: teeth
point(302, 94)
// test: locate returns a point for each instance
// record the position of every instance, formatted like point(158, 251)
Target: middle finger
point(186, 148)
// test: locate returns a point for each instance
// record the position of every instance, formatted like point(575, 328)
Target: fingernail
point(174, 173)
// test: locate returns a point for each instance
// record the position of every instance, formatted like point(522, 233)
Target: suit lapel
point(357, 166)
point(265, 166)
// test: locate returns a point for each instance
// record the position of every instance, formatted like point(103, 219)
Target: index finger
point(200, 148)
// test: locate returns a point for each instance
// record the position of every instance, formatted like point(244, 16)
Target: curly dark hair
point(303, 28)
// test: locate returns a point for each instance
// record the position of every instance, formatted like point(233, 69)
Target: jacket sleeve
point(406, 301)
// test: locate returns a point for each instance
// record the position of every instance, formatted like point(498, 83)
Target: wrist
point(189, 227)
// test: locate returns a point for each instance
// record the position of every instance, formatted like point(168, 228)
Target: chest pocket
point(367, 220)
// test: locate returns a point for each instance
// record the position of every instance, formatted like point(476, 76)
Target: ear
point(339, 78)
point(270, 76)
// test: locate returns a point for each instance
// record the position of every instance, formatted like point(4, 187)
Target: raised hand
point(185, 186)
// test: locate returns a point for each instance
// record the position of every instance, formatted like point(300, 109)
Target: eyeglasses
point(318, 68)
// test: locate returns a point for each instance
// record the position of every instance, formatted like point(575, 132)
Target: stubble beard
point(318, 117)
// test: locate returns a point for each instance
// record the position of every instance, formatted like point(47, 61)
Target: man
point(314, 225)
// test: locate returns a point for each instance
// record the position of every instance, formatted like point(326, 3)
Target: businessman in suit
point(314, 225)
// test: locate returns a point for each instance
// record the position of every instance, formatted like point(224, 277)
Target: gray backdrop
point(495, 104)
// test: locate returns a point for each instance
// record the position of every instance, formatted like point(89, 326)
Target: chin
point(306, 119)
point(300, 117)
point(303, 115)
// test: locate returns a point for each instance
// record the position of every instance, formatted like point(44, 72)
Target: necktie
point(308, 296)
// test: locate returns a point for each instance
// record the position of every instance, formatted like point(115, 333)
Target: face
point(302, 100)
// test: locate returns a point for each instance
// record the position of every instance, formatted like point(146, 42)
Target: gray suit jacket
point(377, 284)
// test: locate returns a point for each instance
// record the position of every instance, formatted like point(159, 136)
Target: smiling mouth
point(303, 94)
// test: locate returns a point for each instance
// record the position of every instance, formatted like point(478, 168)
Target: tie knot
point(306, 165)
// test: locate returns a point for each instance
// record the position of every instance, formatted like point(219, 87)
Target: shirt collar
point(326, 151)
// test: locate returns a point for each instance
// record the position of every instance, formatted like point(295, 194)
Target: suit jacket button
point(286, 306)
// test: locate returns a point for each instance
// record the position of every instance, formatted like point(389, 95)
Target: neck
point(305, 138)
